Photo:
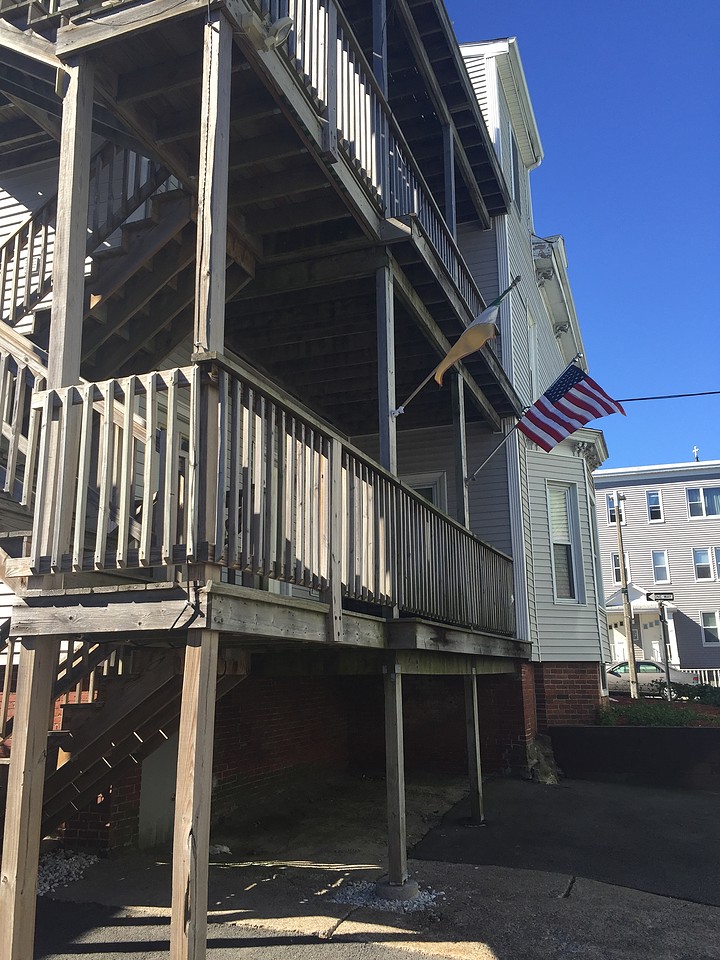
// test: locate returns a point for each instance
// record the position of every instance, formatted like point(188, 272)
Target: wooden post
point(68, 302)
point(209, 329)
point(333, 593)
point(26, 781)
point(387, 424)
point(188, 923)
point(472, 725)
point(379, 57)
point(449, 172)
point(397, 885)
point(460, 442)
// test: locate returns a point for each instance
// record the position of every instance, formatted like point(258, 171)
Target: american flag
point(573, 400)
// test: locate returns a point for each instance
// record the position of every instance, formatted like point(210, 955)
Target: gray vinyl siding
point(479, 248)
point(678, 534)
point(425, 452)
point(567, 630)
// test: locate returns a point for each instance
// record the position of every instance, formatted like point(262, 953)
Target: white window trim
point(709, 643)
point(612, 567)
point(580, 598)
point(623, 515)
point(436, 480)
point(703, 515)
point(667, 566)
point(695, 566)
point(662, 506)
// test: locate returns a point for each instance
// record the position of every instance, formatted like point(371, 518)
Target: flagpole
point(498, 447)
point(401, 409)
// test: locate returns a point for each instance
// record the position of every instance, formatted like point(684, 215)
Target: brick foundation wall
point(567, 693)
point(271, 735)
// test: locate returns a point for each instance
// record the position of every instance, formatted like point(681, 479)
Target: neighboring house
point(550, 525)
point(670, 521)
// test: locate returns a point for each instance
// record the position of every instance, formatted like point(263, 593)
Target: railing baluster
point(235, 491)
point(150, 470)
point(83, 482)
point(247, 449)
point(106, 468)
point(126, 502)
point(171, 470)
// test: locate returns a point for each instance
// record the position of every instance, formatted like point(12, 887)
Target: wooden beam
point(29, 45)
point(387, 401)
point(441, 344)
point(188, 920)
point(21, 844)
point(83, 34)
point(71, 229)
point(472, 727)
point(457, 385)
point(395, 776)
point(319, 272)
point(413, 634)
point(209, 327)
point(449, 174)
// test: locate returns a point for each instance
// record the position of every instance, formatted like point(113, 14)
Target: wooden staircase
point(108, 731)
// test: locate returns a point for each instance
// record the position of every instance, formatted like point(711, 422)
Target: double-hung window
point(564, 542)
point(702, 564)
point(661, 568)
point(703, 501)
point(709, 625)
point(616, 575)
point(654, 506)
point(611, 509)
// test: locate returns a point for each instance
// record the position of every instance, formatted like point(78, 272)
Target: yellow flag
point(474, 337)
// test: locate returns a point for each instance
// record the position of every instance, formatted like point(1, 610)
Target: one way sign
point(657, 597)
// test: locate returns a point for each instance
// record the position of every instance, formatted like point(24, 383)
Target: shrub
point(644, 714)
point(695, 693)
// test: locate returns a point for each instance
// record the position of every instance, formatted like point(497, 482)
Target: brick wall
point(270, 734)
point(567, 693)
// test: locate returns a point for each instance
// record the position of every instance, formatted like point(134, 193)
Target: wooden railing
point(293, 500)
point(18, 423)
point(332, 67)
point(121, 181)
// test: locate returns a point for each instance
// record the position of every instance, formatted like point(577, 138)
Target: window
point(661, 569)
point(611, 509)
point(645, 667)
point(702, 564)
point(703, 501)
point(709, 622)
point(431, 486)
point(563, 541)
point(616, 568)
point(654, 506)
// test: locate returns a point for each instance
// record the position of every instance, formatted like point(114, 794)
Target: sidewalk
point(526, 887)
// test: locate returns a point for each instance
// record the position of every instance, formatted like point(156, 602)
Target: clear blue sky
point(626, 94)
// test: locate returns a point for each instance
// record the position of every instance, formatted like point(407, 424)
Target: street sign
point(659, 596)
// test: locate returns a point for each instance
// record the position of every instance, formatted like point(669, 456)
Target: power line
point(671, 396)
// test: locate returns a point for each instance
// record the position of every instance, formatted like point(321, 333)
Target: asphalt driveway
point(583, 870)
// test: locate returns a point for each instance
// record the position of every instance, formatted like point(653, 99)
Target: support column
point(449, 172)
point(387, 424)
point(209, 327)
point(460, 443)
point(379, 56)
point(68, 301)
point(472, 726)
point(191, 841)
point(397, 886)
point(23, 810)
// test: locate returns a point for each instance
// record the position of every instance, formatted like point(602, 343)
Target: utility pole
point(627, 612)
point(666, 644)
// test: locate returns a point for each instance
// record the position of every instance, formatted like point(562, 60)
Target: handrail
point(289, 497)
